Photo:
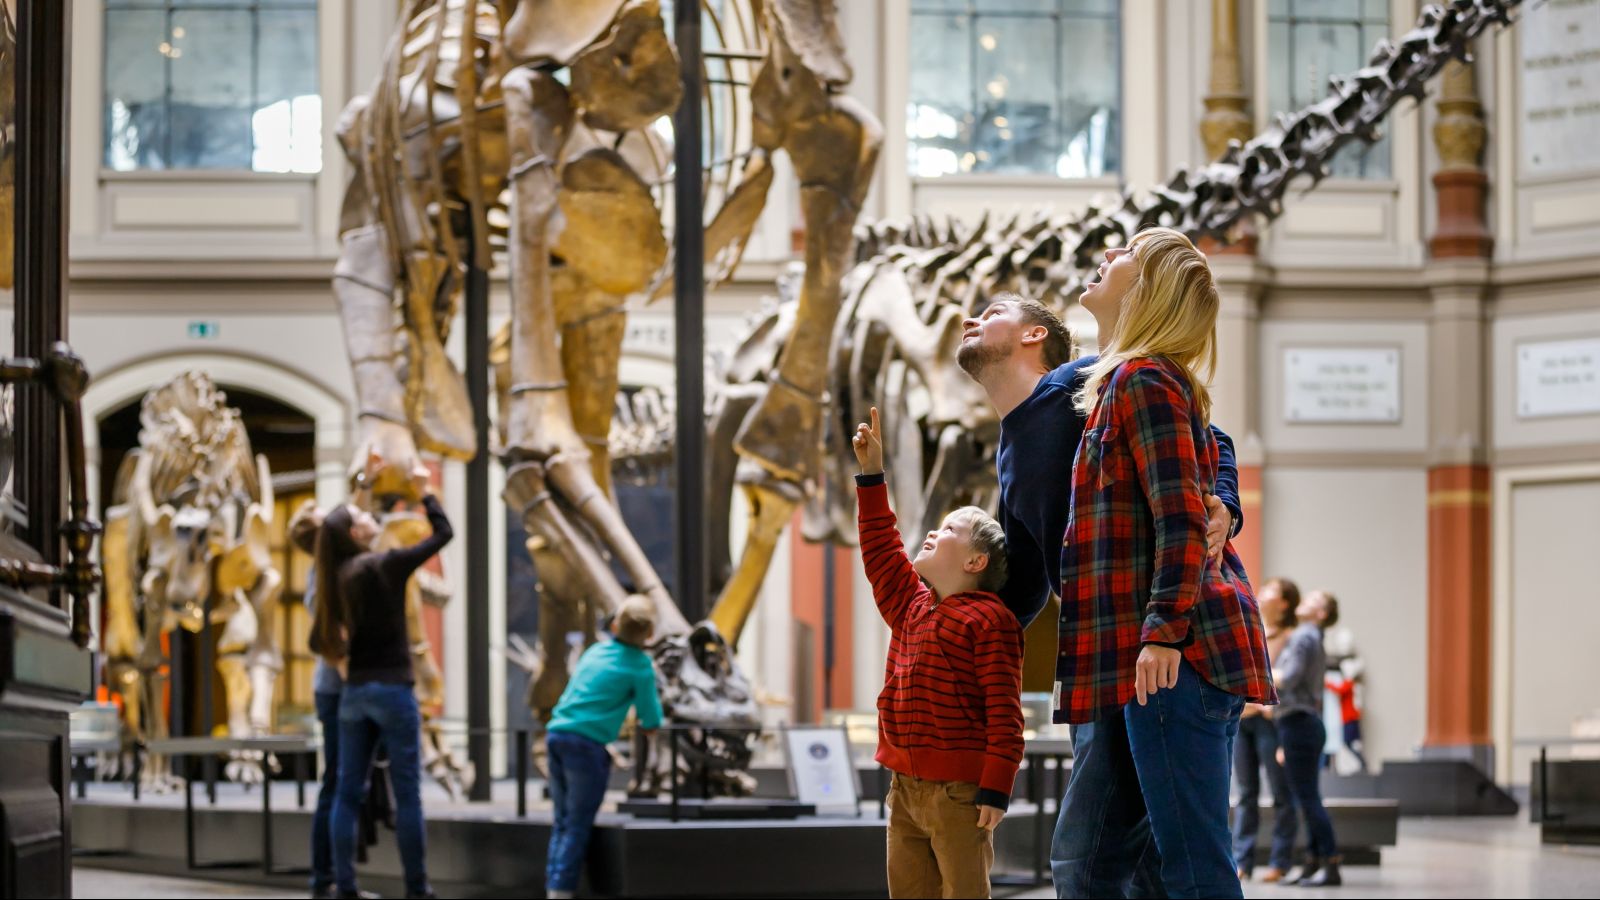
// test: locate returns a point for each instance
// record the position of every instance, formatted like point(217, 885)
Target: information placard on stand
point(822, 771)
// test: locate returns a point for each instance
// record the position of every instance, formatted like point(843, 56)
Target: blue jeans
point(368, 713)
point(1257, 748)
point(1303, 736)
point(1182, 742)
point(322, 819)
point(1102, 845)
point(579, 770)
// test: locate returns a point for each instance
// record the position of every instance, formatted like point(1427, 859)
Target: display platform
point(487, 850)
point(1426, 787)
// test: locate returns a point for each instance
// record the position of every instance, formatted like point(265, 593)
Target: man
point(1019, 352)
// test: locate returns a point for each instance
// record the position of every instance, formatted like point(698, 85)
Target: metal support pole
point(689, 312)
point(828, 619)
point(478, 638)
point(40, 227)
point(522, 773)
point(672, 774)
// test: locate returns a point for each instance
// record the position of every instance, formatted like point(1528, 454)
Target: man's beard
point(976, 358)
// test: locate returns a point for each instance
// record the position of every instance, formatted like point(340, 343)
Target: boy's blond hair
point(989, 538)
point(635, 621)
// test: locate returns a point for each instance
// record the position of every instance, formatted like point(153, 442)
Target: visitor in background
point(1346, 687)
point(610, 677)
point(950, 713)
point(361, 625)
point(326, 687)
point(1299, 675)
point(1256, 748)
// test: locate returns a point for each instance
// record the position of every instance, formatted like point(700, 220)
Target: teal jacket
point(611, 677)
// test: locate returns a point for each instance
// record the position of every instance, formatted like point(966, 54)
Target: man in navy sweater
point(1019, 351)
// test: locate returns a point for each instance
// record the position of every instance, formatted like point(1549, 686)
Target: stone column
point(1459, 523)
point(1227, 116)
point(1240, 282)
point(1461, 183)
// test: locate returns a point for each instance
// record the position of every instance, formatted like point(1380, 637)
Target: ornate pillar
point(1240, 282)
point(1227, 116)
point(1460, 182)
point(1459, 523)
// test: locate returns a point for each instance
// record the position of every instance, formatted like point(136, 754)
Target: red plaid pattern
point(1133, 567)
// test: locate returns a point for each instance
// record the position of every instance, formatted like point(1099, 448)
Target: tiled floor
point(1435, 858)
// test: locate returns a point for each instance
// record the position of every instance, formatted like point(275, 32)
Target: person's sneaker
point(1271, 875)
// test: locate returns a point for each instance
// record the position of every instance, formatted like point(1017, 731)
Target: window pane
point(939, 119)
point(286, 122)
point(211, 89)
point(214, 84)
point(1017, 87)
point(1091, 126)
point(1311, 40)
point(918, 6)
point(135, 115)
point(1016, 129)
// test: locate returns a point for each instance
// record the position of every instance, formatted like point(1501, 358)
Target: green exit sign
point(204, 331)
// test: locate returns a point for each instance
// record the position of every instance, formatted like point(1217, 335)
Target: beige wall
point(1362, 534)
point(1552, 615)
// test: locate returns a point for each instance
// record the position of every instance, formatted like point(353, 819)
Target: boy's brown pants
point(936, 848)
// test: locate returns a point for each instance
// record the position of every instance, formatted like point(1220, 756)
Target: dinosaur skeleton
point(188, 538)
point(470, 143)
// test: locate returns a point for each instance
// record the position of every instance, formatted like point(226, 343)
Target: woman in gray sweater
point(1299, 673)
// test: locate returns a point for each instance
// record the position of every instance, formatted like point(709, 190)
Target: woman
point(326, 688)
point(361, 623)
point(1299, 672)
point(1145, 617)
point(1257, 748)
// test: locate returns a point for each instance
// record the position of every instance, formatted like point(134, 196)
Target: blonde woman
point(1154, 632)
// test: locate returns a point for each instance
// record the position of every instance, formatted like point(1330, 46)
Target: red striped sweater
point(951, 707)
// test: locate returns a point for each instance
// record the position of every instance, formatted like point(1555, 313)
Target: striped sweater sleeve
point(997, 657)
point(895, 584)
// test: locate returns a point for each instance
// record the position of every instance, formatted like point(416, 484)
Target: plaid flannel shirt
point(1134, 568)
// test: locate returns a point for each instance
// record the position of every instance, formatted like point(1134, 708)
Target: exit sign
point(204, 331)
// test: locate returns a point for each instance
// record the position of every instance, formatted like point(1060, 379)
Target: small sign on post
point(822, 771)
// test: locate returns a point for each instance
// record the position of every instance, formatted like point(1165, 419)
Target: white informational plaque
point(1341, 385)
point(1558, 378)
point(822, 771)
point(1559, 73)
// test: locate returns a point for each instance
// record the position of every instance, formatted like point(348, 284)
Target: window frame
point(1111, 177)
point(1291, 19)
point(101, 8)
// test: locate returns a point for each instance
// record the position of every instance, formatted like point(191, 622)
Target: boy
point(611, 676)
point(950, 715)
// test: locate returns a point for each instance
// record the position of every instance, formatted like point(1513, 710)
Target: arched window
point(212, 84)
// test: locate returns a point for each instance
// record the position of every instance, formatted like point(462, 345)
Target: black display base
point(1427, 787)
point(727, 808)
point(1571, 815)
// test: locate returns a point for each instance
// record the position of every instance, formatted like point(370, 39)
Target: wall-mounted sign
point(1558, 378)
point(1341, 384)
point(1560, 79)
point(204, 331)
